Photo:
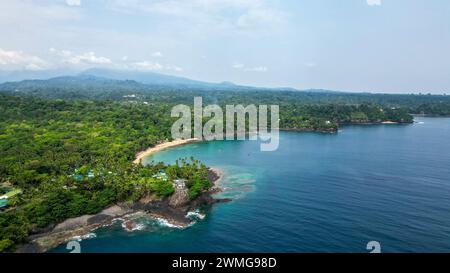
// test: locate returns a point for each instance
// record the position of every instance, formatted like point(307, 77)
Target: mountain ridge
point(17, 78)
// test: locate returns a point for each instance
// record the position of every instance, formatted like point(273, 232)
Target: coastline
point(170, 144)
point(386, 122)
point(81, 227)
point(73, 228)
point(215, 175)
point(309, 130)
point(165, 145)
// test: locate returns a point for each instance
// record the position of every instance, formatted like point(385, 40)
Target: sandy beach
point(162, 146)
point(389, 122)
point(85, 224)
point(170, 144)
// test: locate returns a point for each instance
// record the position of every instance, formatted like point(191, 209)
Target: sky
point(389, 46)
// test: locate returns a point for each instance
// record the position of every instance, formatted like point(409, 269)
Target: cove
point(316, 193)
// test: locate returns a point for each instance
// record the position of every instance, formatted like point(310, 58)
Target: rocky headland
point(174, 210)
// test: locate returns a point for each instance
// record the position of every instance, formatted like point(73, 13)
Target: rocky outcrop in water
point(173, 209)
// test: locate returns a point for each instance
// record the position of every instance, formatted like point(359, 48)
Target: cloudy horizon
point(389, 46)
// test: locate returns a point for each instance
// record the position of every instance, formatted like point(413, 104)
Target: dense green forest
point(97, 88)
point(68, 144)
point(75, 157)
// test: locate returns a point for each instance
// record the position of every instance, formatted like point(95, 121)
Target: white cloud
point(242, 67)
point(73, 2)
point(157, 54)
point(83, 58)
point(19, 60)
point(90, 58)
point(211, 14)
point(147, 65)
point(174, 68)
point(152, 66)
point(374, 2)
point(31, 15)
point(259, 16)
point(257, 69)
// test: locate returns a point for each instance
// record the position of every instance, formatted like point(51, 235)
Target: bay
point(316, 193)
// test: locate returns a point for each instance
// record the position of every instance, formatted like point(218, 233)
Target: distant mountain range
point(150, 78)
point(135, 87)
point(20, 75)
point(73, 77)
point(117, 78)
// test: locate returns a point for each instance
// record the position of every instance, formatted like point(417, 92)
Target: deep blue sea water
point(316, 193)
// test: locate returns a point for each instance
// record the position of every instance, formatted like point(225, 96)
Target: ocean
point(316, 193)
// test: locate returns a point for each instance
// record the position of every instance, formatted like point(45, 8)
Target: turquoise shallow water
point(316, 193)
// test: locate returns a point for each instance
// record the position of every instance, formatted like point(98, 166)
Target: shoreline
point(215, 175)
point(81, 227)
point(308, 130)
point(73, 228)
point(162, 146)
point(174, 143)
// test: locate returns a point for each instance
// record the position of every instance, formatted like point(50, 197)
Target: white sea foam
point(163, 222)
point(159, 221)
point(135, 226)
point(80, 238)
point(195, 215)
